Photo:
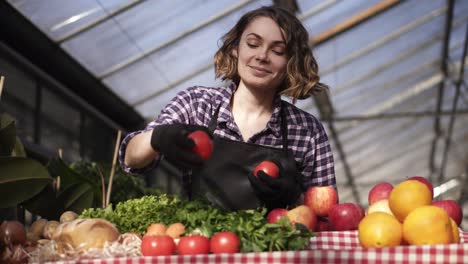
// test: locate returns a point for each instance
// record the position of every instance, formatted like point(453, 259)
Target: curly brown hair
point(302, 78)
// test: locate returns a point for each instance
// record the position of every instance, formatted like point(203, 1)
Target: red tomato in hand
point(193, 244)
point(203, 144)
point(268, 167)
point(225, 242)
point(162, 245)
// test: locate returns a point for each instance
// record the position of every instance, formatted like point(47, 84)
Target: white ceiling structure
point(394, 69)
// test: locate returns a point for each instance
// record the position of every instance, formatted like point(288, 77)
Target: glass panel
point(59, 125)
point(151, 108)
point(138, 30)
point(335, 14)
point(98, 141)
point(18, 98)
point(67, 15)
point(174, 62)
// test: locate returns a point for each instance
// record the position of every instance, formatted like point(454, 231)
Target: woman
point(266, 56)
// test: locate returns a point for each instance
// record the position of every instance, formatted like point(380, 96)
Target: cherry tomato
point(225, 242)
point(162, 245)
point(203, 144)
point(193, 244)
point(269, 167)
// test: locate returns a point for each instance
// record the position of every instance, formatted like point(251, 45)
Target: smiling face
point(262, 56)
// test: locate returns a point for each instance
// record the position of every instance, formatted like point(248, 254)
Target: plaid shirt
point(307, 138)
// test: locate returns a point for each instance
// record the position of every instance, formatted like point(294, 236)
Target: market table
point(325, 247)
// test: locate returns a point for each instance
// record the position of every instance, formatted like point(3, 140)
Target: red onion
point(12, 233)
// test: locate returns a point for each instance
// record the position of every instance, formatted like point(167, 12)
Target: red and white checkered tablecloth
point(325, 247)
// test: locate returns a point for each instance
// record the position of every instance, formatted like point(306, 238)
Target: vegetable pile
point(202, 217)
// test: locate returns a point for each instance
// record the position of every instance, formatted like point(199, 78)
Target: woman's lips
point(258, 71)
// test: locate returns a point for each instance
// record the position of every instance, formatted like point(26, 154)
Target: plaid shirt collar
point(225, 114)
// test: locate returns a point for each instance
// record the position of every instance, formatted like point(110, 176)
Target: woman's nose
point(262, 55)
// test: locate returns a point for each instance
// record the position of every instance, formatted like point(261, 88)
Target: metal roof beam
point(440, 90)
point(454, 109)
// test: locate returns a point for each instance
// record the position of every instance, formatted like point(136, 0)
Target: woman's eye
point(252, 45)
point(277, 52)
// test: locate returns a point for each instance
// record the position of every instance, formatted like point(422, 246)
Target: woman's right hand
point(173, 142)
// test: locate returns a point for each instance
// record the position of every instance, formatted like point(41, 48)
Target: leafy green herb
point(200, 216)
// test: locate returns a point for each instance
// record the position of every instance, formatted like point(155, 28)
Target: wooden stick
point(57, 181)
point(103, 187)
point(352, 21)
point(114, 160)
point(1, 85)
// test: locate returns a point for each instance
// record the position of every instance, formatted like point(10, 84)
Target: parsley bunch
point(199, 216)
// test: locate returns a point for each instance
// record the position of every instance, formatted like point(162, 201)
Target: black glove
point(278, 192)
point(173, 143)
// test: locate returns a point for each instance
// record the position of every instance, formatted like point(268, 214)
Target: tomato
point(269, 167)
point(162, 245)
point(225, 242)
point(203, 144)
point(193, 244)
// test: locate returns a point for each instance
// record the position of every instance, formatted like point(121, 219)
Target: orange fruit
point(175, 230)
point(455, 232)
point(407, 196)
point(379, 229)
point(156, 229)
point(427, 225)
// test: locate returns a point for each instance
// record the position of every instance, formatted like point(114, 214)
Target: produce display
point(152, 226)
point(165, 225)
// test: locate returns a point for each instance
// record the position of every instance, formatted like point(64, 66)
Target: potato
point(68, 216)
point(32, 237)
point(49, 229)
point(37, 227)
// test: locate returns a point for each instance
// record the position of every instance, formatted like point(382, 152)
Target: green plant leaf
point(7, 134)
point(21, 179)
point(46, 204)
point(78, 197)
point(18, 149)
point(68, 177)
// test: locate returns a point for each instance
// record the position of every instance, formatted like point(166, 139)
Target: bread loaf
point(82, 234)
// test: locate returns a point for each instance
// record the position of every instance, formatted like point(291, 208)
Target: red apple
point(452, 208)
point(321, 199)
point(361, 210)
point(275, 214)
point(380, 191)
point(425, 181)
point(345, 216)
point(379, 206)
point(322, 225)
point(203, 144)
point(302, 215)
point(268, 167)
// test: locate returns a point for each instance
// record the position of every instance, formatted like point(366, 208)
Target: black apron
point(223, 178)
